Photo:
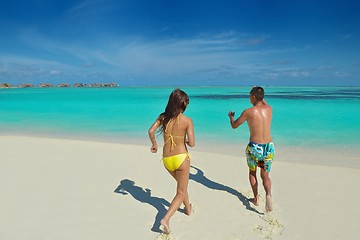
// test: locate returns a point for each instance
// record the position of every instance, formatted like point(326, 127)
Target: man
point(260, 150)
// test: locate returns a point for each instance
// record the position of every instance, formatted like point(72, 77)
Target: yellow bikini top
point(171, 137)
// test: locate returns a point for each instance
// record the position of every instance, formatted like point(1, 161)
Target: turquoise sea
point(302, 116)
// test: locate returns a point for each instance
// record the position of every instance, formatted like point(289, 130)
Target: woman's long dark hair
point(177, 104)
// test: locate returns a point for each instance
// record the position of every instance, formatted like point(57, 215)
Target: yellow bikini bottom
point(172, 163)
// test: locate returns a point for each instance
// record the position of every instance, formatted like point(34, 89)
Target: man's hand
point(231, 114)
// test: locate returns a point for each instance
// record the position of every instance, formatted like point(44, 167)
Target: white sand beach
point(72, 189)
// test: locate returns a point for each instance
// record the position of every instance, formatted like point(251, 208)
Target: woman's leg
point(188, 207)
point(182, 178)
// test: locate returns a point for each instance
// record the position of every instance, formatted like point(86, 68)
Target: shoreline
point(98, 190)
point(332, 156)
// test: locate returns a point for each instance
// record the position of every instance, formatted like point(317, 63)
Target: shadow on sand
point(199, 177)
point(128, 187)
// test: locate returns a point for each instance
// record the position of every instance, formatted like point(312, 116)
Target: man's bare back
point(259, 122)
point(258, 118)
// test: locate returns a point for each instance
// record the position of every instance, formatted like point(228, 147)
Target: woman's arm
point(151, 133)
point(190, 141)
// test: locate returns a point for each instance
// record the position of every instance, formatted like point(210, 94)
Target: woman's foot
point(166, 226)
point(188, 211)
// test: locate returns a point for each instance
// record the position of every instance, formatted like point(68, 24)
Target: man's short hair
point(258, 92)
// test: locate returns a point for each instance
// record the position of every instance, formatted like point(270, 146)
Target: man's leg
point(267, 186)
point(254, 186)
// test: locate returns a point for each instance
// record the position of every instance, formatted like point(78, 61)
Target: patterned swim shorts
point(260, 155)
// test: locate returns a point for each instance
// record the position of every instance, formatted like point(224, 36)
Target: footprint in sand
point(194, 208)
point(164, 236)
point(273, 227)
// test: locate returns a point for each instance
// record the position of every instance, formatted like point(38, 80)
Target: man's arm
point(240, 120)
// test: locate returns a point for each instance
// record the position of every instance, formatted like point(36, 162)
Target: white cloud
point(88, 12)
point(207, 55)
point(229, 55)
point(54, 72)
point(298, 74)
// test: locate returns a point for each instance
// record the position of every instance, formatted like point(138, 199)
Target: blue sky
point(144, 42)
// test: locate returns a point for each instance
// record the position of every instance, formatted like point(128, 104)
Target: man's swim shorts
point(260, 155)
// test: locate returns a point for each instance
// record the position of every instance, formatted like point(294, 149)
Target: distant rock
point(6, 85)
point(45, 85)
point(99, 85)
point(63, 85)
point(26, 85)
point(80, 85)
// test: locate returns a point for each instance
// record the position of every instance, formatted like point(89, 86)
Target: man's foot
point(165, 224)
point(254, 201)
point(268, 205)
point(188, 211)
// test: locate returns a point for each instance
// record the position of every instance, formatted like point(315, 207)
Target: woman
point(178, 131)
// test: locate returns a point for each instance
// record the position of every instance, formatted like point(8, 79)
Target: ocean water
point(302, 116)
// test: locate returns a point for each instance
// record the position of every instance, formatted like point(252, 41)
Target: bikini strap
point(171, 137)
point(167, 125)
